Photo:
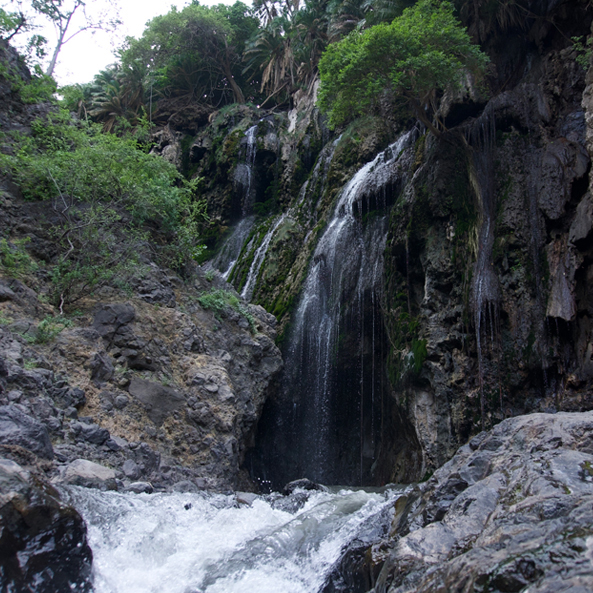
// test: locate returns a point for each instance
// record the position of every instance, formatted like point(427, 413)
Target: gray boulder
point(513, 510)
point(89, 474)
point(18, 428)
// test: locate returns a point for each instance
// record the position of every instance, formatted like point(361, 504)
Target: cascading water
point(228, 254)
point(227, 257)
point(327, 428)
point(244, 172)
point(208, 543)
point(258, 259)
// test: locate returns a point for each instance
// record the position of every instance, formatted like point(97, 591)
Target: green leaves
point(405, 62)
point(106, 197)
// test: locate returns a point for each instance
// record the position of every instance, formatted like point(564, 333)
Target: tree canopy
point(196, 51)
point(404, 63)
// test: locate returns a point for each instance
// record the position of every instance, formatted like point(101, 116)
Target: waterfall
point(226, 258)
point(244, 172)
point(329, 424)
point(258, 259)
point(209, 543)
point(485, 292)
point(228, 254)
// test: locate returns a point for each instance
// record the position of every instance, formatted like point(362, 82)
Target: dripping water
point(485, 292)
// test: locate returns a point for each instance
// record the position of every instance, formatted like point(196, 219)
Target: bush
point(108, 196)
point(221, 301)
point(14, 260)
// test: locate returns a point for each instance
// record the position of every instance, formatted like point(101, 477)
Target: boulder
point(43, 543)
point(512, 510)
point(160, 401)
point(18, 428)
point(89, 474)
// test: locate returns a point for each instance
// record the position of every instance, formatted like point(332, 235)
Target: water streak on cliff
point(485, 291)
point(259, 257)
point(228, 254)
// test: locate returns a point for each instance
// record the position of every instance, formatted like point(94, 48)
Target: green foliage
point(38, 88)
point(584, 48)
point(14, 259)
point(79, 163)
point(403, 63)
point(10, 23)
point(49, 328)
point(222, 301)
point(106, 195)
point(195, 52)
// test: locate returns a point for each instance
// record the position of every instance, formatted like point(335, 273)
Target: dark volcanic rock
point(303, 484)
point(43, 545)
point(17, 428)
point(160, 401)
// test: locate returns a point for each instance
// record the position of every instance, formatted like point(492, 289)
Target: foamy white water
point(207, 543)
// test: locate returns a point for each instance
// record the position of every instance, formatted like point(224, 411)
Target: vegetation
point(222, 302)
point(15, 262)
point(107, 196)
point(403, 64)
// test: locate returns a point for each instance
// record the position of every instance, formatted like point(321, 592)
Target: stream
point(211, 543)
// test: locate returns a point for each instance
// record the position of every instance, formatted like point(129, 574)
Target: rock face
point(488, 260)
point(43, 545)
point(513, 509)
point(154, 395)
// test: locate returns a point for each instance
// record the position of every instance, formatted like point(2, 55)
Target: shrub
point(14, 260)
point(108, 196)
point(221, 301)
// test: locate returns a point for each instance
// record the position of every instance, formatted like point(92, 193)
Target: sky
point(88, 53)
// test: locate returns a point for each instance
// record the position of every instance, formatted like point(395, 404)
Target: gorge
point(375, 304)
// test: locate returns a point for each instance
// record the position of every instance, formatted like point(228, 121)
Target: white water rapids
point(208, 543)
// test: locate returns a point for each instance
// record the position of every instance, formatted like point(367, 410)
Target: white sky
point(88, 53)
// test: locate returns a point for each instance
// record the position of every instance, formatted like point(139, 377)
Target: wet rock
point(140, 488)
point(82, 472)
point(18, 428)
point(185, 486)
point(43, 543)
point(246, 498)
point(131, 469)
point(301, 484)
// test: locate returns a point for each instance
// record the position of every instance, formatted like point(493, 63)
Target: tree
point(61, 13)
point(196, 51)
point(405, 63)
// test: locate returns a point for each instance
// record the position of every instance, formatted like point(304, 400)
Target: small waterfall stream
point(258, 258)
point(209, 543)
point(228, 254)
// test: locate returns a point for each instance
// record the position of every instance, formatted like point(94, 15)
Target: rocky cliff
point(483, 311)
